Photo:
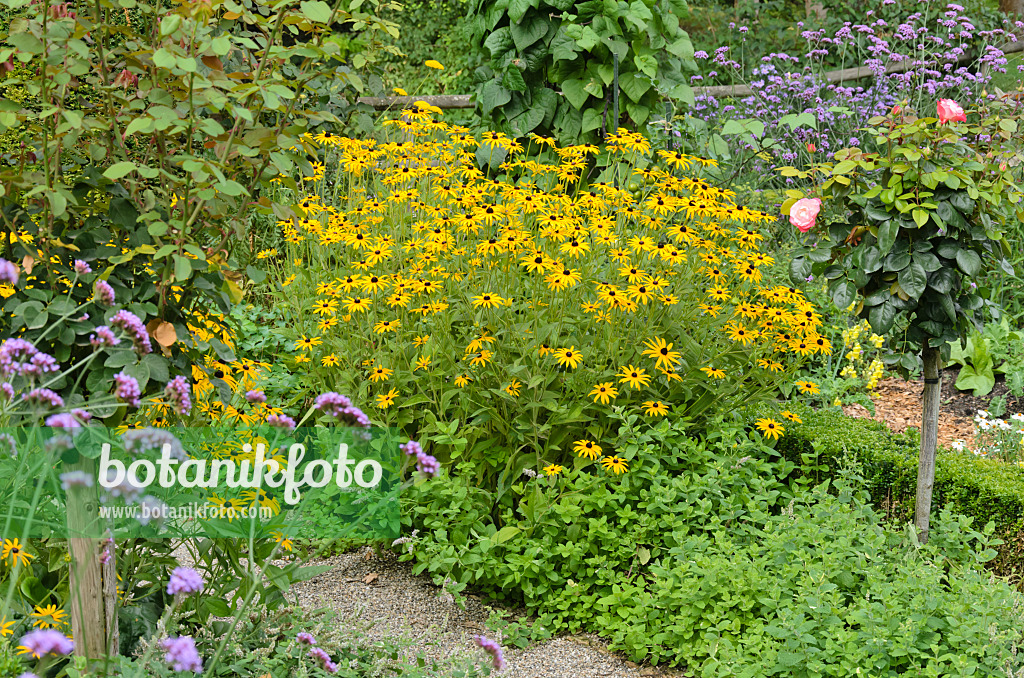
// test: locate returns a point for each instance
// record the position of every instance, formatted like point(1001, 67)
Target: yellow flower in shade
point(604, 393)
point(634, 376)
point(399, 91)
point(713, 372)
point(15, 553)
point(422, 363)
point(808, 387)
point(288, 281)
point(475, 345)
point(615, 464)
point(655, 408)
point(786, 414)
point(6, 628)
point(285, 542)
point(662, 353)
point(387, 326)
point(420, 341)
point(436, 65)
point(481, 358)
point(513, 388)
point(569, 357)
point(302, 358)
point(386, 400)
point(380, 374)
point(48, 617)
point(462, 380)
point(553, 469)
point(769, 428)
point(306, 343)
point(587, 448)
point(330, 360)
point(837, 403)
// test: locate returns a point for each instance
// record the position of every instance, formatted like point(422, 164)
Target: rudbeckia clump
point(518, 309)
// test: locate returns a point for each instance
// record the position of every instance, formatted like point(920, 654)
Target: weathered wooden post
point(93, 608)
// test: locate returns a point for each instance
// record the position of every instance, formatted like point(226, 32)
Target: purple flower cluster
point(181, 654)
point(492, 648)
point(179, 392)
point(928, 49)
point(6, 391)
point(140, 440)
point(127, 389)
point(82, 268)
point(64, 420)
point(103, 337)
point(281, 421)
point(103, 293)
point(306, 638)
point(43, 396)
point(8, 272)
point(184, 580)
point(42, 642)
point(255, 396)
point(324, 660)
point(342, 409)
point(76, 479)
point(425, 463)
point(130, 323)
point(20, 357)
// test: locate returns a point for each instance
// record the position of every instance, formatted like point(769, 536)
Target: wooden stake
point(929, 441)
point(88, 618)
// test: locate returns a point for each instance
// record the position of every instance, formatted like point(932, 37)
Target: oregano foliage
point(551, 66)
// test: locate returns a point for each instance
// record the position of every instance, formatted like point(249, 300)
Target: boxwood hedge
point(986, 490)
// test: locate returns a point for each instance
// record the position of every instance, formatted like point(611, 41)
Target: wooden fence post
point(94, 625)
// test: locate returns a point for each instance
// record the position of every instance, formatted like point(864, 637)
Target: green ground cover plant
point(671, 560)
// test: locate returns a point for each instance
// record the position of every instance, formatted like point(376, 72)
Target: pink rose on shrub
point(803, 213)
point(950, 110)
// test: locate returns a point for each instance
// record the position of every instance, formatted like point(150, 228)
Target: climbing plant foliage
point(552, 67)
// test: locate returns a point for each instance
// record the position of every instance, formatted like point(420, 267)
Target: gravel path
point(399, 604)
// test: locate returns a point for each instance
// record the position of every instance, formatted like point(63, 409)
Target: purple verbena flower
point(103, 293)
point(181, 654)
point(412, 448)
point(82, 268)
point(140, 440)
point(281, 421)
point(76, 479)
point(104, 337)
point(8, 272)
point(42, 642)
point(130, 323)
point(323, 659)
point(43, 396)
point(342, 409)
point(179, 392)
point(127, 389)
point(306, 638)
point(492, 648)
point(255, 396)
point(184, 580)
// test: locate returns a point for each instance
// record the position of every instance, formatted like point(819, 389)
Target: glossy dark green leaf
point(969, 262)
point(913, 279)
point(887, 233)
point(882, 317)
point(844, 294)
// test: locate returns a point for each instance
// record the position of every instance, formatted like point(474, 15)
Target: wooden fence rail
point(451, 101)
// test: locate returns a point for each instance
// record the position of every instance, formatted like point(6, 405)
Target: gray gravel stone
point(398, 604)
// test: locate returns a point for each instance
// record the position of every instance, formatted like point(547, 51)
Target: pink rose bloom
point(950, 110)
point(803, 213)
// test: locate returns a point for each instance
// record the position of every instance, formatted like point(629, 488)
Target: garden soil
point(898, 404)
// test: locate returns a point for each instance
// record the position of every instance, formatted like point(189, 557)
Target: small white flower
point(983, 414)
point(958, 445)
point(1017, 417)
point(1003, 425)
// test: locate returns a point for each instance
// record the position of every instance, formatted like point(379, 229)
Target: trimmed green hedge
point(979, 488)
